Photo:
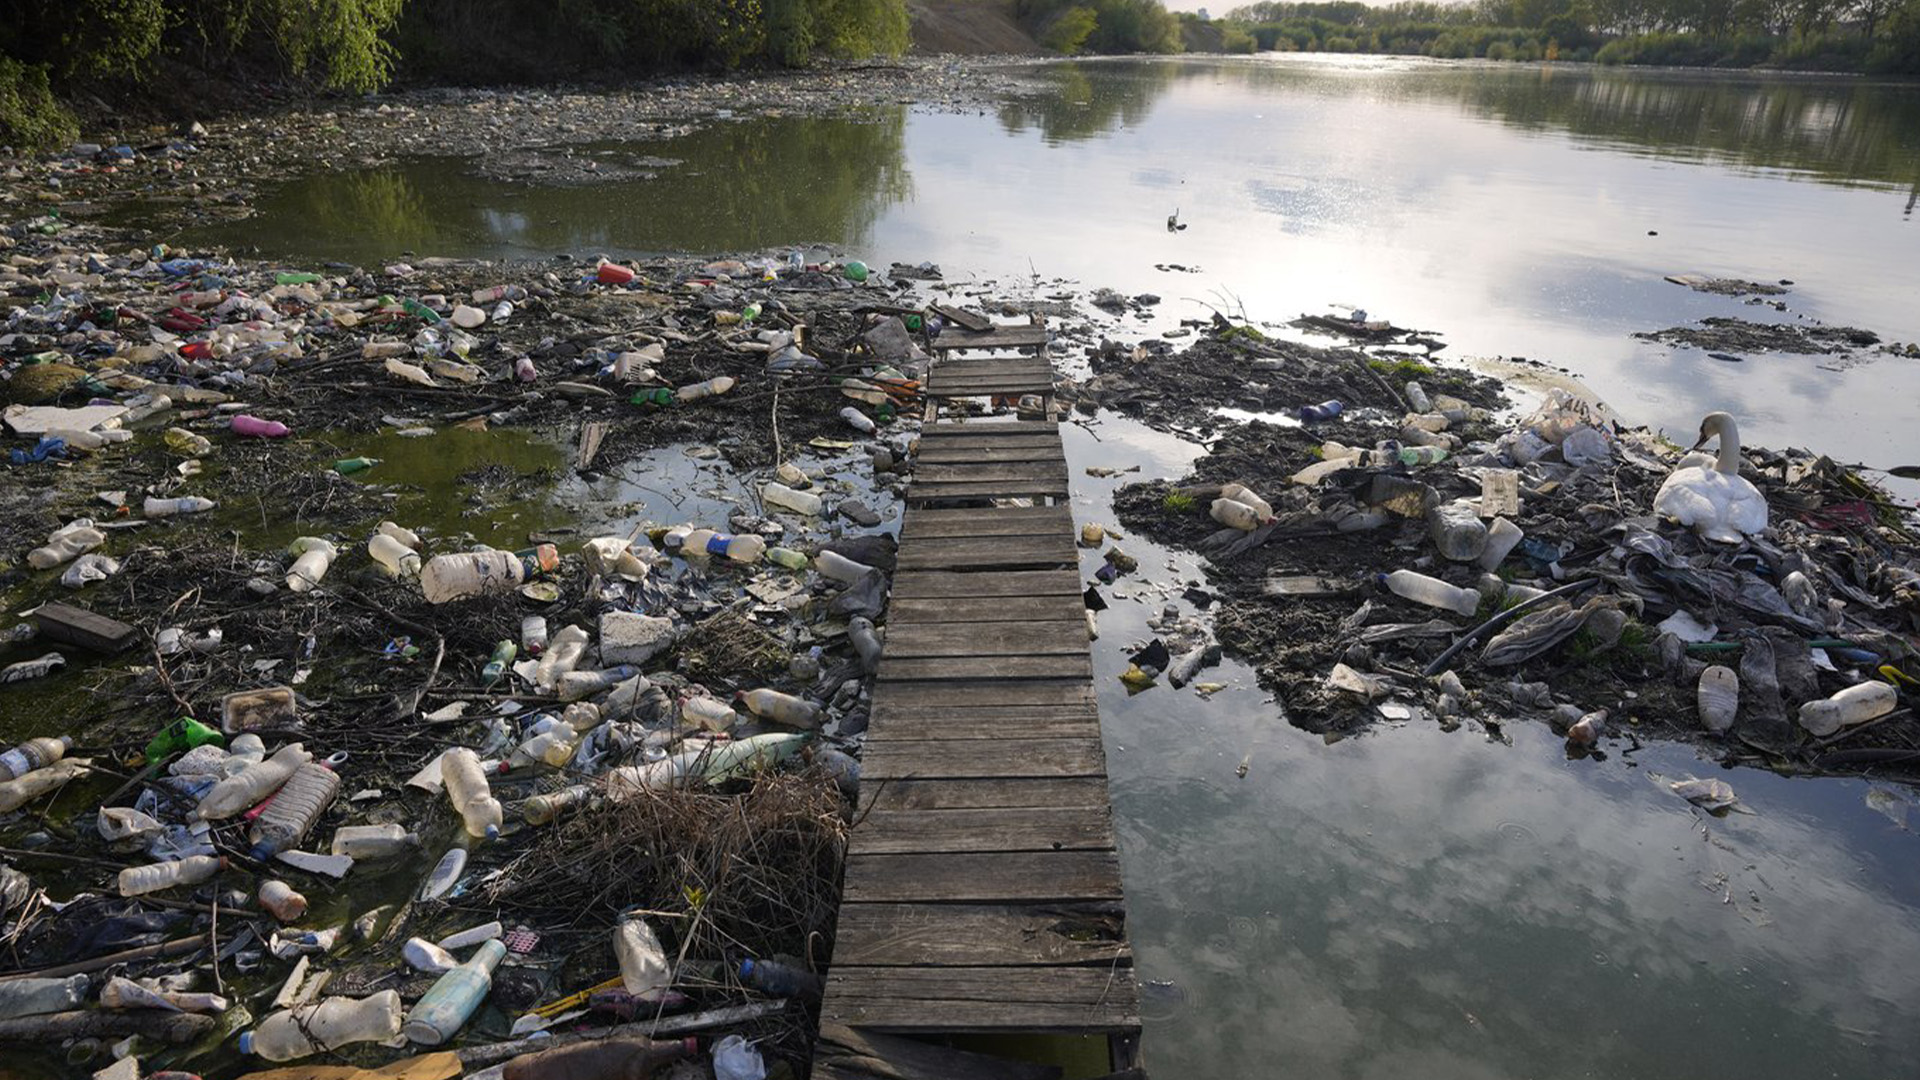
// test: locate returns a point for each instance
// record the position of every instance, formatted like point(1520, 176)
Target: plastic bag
point(734, 1058)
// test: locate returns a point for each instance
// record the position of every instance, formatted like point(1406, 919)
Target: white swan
point(1713, 500)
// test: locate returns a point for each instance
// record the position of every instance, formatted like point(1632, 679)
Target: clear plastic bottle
point(34, 996)
point(394, 556)
point(312, 557)
point(1417, 397)
point(1432, 592)
point(1855, 705)
point(858, 420)
point(1502, 537)
point(445, 1008)
point(746, 548)
point(866, 642)
point(373, 841)
point(325, 1025)
point(779, 495)
point(237, 793)
point(186, 504)
point(1457, 531)
point(295, 807)
point(33, 754)
point(781, 980)
point(713, 387)
point(153, 877)
point(467, 790)
point(533, 635)
point(472, 573)
point(575, 685)
point(1241, 493)
point(781, 708)
point(554, 746)
point(563, 654)
point(832, 564)
point(1234, 514)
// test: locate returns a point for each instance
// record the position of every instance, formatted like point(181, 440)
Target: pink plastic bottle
point(260, 429)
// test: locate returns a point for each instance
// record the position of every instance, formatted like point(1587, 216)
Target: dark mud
point(1723, 334)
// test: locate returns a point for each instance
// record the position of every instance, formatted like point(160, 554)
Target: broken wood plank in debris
point(961, 317)
point(592, 434)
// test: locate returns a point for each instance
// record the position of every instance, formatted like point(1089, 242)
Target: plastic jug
point(325, 1025)
point(866, 642)
point(643, 962)
point(1502, 537)
point(395, 557)
point(1234, 515)
point(237, 793)
point(281, 901)
point(1240, 493)
point(1854, 705)
point(467, 790)
point(67, 543)
point(1457, 531)
point(563, 654)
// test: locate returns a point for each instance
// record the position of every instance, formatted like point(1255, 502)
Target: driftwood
point(174, 1028)
point(479, 1057)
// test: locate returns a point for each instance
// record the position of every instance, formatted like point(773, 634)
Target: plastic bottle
point(32, 997)
point(447, 1006)
point(373, 841)
point(781, 708)
point(708, 712)
point(866, 642)
point(1457, 531)
point(37, 668)
point(295, 807)
point(554, 746)
point(575, 685)
point(858, 420)
point(183, 734)
point(776, 494)
point(533, 635)
point(256, 428)
point(643, 962)
point(153, 877)
point(745, 548)
point(396, 558)
point(236, 793)
point(1241, 493)
point(1855, 705)
point(473, 573)
point(713, 387)
point(325, 1025)
point(612, 274)
point(563, 653)
point(189, 504)
point(467, 789)
point(498, 663)
point(834, 565)
point(349, 466)
point(1235, 515)
point(280, 900)
point(33, 754)
point(786, 557)
point(1326, 410)
point(781, 980)
point(1718, 698)
point(70, 542)
point(855, 271)
point(624, 1057)
point(123, 993)
point(405, 535)
point(1420, 455)
point(1417, 397)
point(1502, 537)
point(1432, 592)
point(312, 557)
point(467, 317)
point(493, 293)
point(182, 441)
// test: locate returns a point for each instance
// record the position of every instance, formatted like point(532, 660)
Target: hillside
point(967, 26)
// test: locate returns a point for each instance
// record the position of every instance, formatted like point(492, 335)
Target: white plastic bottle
point(395, 557)
point(237, 793)
point(1854, 705)
point(834, 565)
point(1241, 493)
point(373, 841)
point(186, 504)
point(782, 708)
point(715, 386)
point(1432, 592)
point(1457, 531)
point(554, 746)
point(563, 654)
point(467, 789)
point(312, 557)
point(858, 420)
point(708, 712)
point(404, 535)
point(192, 870)
point(325, 1025)
point(1234, 514)
point(779, 495)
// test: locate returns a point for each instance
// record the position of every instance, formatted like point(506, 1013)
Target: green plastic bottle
point(787, 557)
point(181, 735)
point(503, 655)
point(660, 397)
point(349, 466)
point(419, 310)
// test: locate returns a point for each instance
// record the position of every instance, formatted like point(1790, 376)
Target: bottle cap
point(246, 1042)
point(493, 831)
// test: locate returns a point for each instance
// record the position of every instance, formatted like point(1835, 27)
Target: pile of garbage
point(381, 789)
point(1433, 562)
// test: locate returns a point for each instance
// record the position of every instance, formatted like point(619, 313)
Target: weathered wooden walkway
point(982, 891)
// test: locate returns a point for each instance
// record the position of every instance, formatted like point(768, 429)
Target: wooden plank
point(993, 365)
point(984, 693)
point(1004, 877)
point(943, 669)
point(930, 999)
point(937, 455)
point(1000, 489)
point(988, 552)
point(985, 471)
point(978, 794)
point(843, 1053)
point(977, 1017)
point(989, 427)
point(993, 609)
point(892, 935)
point(958, 443)
point(70, 625)
point(907, 831)
point(929, 759)
point(1000, 337)
point(961, 317)
point(992, 722)
point(936, 584)
point(918, 639)
point(922, 524)
point(984, 384)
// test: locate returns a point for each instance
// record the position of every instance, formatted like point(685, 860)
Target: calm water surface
point(1410, 903)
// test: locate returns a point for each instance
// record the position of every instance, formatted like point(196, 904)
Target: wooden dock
point(982, 891)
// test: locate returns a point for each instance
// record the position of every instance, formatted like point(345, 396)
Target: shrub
point(30, 118)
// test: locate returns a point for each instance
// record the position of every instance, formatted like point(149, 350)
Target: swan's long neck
point(1729, 462)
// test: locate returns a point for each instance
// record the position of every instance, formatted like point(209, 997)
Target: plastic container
point(832, 564)
point(708, 712)
point(866, 642)
point(393, 556)
point(779, 495)
point(562, 655)
point(32, 997)
point(237, 793)
point(625, 1057)
point(1432, 592)
point(186, 504)
point(781, 708)
point(1417, 397)
point(575, 685)
point(325, 1025)
point(553, 746)
point(404, 535)
point(1457, 531)
point(713, 387)
point(786, 558)
point(373, 841)
point(1718, 698)
point(153, 877)
point(33, 754)
point(280, 900)
point(1241, 493)
point(1854, 705)
point(256, 428)
point(533, 635)
point(312, 557)
point(445, 873)
point(643, 962)
point(1235, 515)
point(467, 317)
point(781, 980)
point(467, 790)
point(746, 548)
point(473, 935)
point(612, 274)
point(447, 578)
point(295, 807)
point(858, 420)
point(124, 993)
point(446, 1007)
point(1502, 537)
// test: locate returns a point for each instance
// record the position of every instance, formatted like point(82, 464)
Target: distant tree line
point(57, 51)
point(1069, 27)
point(1837, 35)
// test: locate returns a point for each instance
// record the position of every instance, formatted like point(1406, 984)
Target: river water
point(1409, 902)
